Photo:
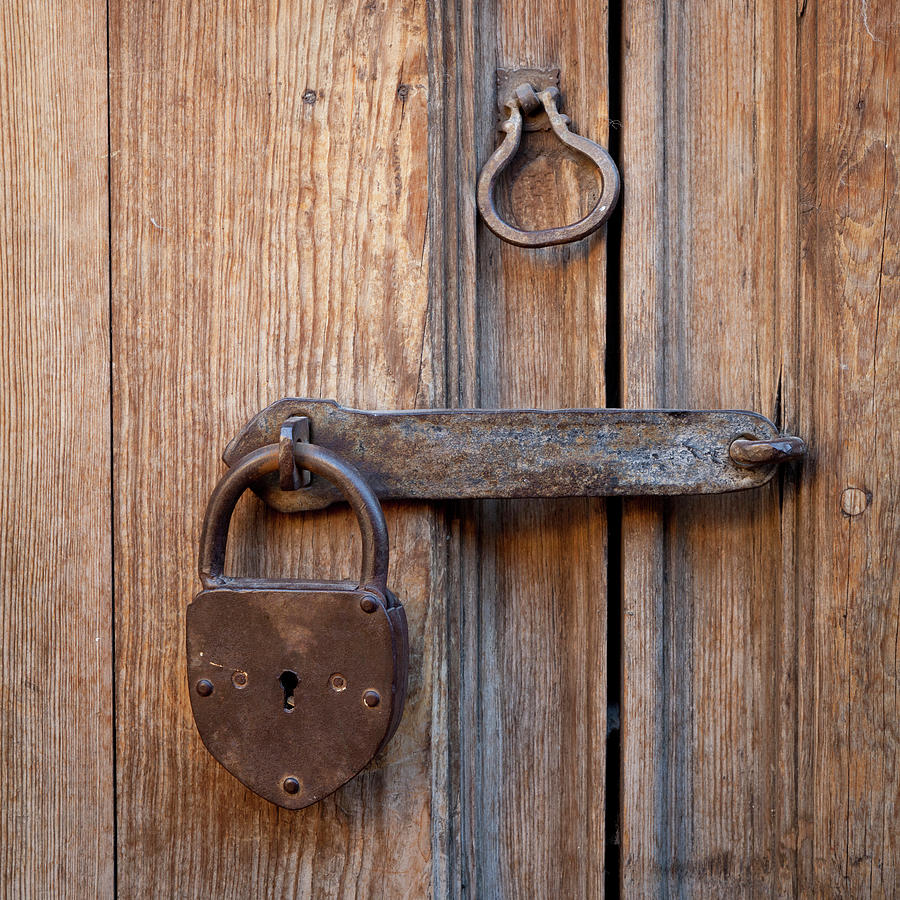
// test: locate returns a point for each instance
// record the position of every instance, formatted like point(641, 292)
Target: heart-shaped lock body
point(295, 685)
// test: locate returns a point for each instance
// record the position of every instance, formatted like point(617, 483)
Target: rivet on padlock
point(295, 685)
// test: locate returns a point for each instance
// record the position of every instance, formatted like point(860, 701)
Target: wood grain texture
point(701, 577)
point(269, 200)
point(56, 729)
point(527, 595)
point(844, 527)
point(760, 633)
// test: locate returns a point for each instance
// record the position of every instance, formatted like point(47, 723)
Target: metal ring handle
point(503, 155)
point(236, 480)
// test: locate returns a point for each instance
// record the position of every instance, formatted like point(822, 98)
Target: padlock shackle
point(224, 498)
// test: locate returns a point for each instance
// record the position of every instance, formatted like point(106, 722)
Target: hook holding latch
point(525, 100)
point(748, 452)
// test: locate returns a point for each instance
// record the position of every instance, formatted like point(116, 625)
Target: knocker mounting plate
point(540, 79)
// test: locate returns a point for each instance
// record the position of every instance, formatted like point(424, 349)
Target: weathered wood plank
point(269, 204)
point(527, 579)
point(844, 528)
point(702, 144)
point(760, 671)
point(56, 728)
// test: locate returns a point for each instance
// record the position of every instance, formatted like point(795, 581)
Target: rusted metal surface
point(445, 454)
point(524, 97)
point(326, 736)
point(295, 685)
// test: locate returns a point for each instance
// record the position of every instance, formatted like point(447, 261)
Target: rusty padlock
point(295, 685)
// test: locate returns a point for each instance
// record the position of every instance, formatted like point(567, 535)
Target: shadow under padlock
point(295, 685)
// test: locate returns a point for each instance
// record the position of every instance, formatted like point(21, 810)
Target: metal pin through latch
point(785, 448)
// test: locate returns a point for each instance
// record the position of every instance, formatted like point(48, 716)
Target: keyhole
point(289, 682)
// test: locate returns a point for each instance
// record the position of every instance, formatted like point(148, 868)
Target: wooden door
point(210, 206)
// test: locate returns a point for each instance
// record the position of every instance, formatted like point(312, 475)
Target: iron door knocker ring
point(526, 100)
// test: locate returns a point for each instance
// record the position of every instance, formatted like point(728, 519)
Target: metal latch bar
point(437, 454)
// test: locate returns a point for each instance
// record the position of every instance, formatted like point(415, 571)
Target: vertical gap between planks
point(613, 379)
point(112, 474)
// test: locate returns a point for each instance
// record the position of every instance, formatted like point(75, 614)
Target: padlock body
point(295, 688)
